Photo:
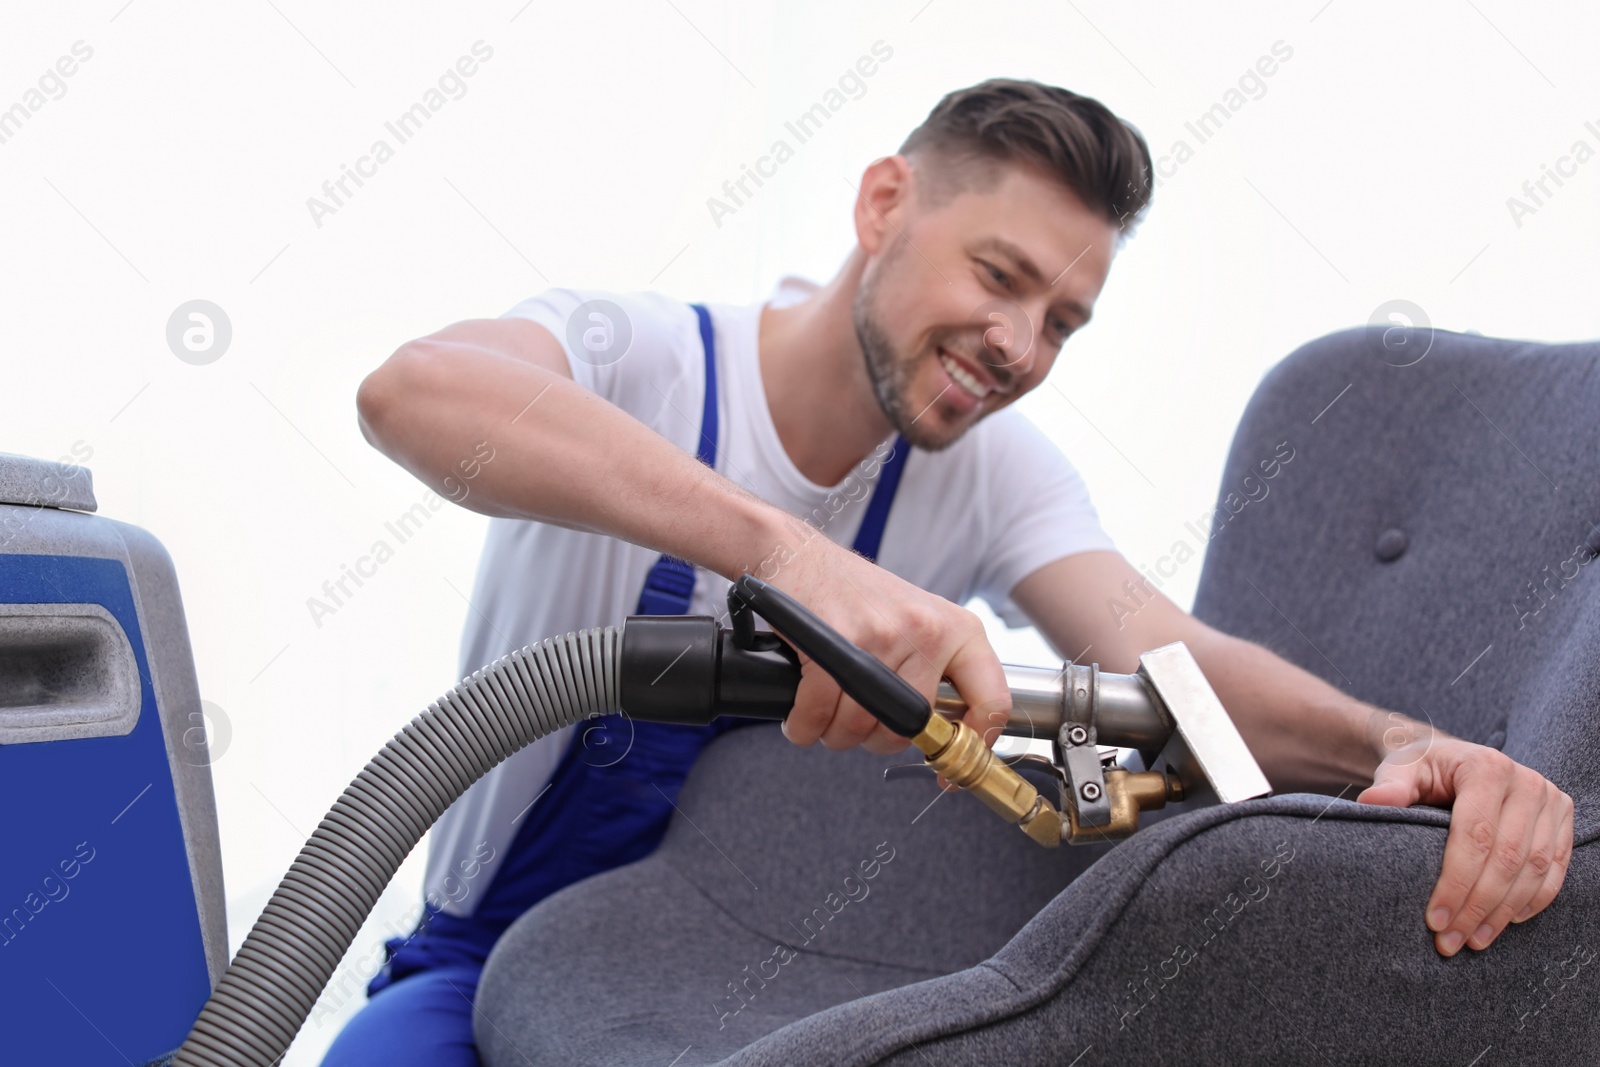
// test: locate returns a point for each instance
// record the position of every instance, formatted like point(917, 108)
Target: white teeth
point(962, 378)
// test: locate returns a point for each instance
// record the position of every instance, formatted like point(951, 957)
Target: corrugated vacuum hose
point(286, 961)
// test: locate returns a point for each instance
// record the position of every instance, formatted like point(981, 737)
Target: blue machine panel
point(101, 960)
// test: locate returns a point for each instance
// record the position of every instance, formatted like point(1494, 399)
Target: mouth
point(965, 376)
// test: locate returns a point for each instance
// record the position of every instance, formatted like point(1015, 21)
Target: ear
point(882, 202)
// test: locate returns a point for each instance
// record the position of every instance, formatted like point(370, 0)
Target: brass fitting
point(1128, 793)
point(957, 752)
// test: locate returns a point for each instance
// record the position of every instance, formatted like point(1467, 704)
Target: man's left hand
point(1510, 834)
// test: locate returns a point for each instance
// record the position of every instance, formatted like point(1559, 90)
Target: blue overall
point(608, 803)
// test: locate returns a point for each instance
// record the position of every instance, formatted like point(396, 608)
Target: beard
point(891, 372)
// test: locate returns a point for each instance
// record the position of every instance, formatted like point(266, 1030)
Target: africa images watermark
point(857, 486)
point(199, 332)
point(1566, 572)
point(207, 740)
point(804, 127)
point(1138, 594)
point(816, 921)
point(1581, 957)
point(57, 487)
point(402, 528)
point(402, 128)
point(51, 82)
point(1141, 993)
point(53, 889)
point(1211, 121)
point(354, 976)
point(1566, 167)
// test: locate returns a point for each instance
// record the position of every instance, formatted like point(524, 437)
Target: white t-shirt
point(970, 520)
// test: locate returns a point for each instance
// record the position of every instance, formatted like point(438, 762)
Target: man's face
point(966, 305)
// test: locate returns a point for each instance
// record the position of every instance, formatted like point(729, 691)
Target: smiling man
point(849, 443)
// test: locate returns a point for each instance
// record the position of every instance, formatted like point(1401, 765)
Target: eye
point(1062, 329)
point(1000, 276)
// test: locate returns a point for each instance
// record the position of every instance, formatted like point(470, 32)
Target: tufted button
point(1391, 544)
point(1497, 739)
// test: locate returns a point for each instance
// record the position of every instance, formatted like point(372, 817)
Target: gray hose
point(291, 952)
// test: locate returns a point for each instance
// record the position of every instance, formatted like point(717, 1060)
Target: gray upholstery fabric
point(617, 968)
point(1423, 550)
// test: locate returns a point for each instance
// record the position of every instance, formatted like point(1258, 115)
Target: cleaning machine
point(113, 936)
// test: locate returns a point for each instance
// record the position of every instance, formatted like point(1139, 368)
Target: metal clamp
point(1077, 749)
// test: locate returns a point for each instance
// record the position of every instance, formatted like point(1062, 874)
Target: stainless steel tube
point(1126, 712)
point(1035, 701)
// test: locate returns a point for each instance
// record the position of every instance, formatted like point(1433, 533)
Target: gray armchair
point(1426, 550)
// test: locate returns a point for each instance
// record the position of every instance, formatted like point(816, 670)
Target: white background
point(177, 165)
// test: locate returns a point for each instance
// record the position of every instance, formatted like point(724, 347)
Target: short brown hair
point(1072, 138)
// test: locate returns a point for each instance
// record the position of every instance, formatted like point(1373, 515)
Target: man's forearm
point(561, 455)
point(1307, 735)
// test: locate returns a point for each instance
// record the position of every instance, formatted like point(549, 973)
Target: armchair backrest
point(1412, 515)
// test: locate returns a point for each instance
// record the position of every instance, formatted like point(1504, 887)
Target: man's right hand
point(920, 636)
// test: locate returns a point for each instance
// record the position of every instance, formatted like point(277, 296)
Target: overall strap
point(602, 811)
point(870, 536)
point(669, 585)
point(708, 410)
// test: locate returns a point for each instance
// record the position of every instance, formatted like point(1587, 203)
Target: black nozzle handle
point(684, 669)
point(874, 686)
